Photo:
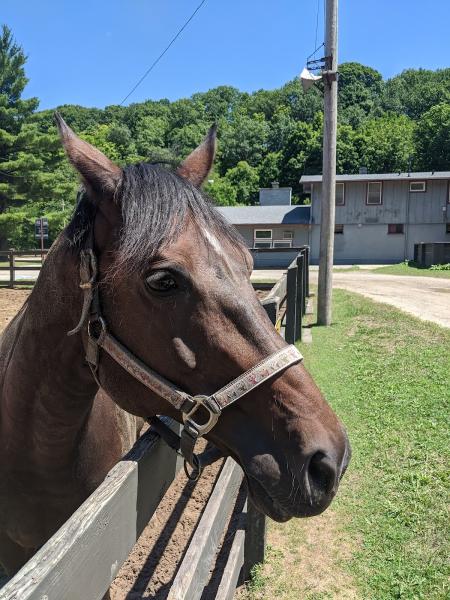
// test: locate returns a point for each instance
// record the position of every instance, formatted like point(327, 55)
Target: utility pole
point(324, 295)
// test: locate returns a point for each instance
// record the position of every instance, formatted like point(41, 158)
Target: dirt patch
point(304, 560)
point(321, 551)
point(10, 303)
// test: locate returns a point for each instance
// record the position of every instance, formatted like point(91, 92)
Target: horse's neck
point(48, 389)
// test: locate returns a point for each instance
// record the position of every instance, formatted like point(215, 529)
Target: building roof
point(380, 177)
point(266, 215)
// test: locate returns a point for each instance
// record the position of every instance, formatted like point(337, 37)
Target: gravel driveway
point(425, 297)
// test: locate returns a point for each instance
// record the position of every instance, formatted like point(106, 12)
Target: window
point(395, 228)
point(282, 244)
point(263, 234)
point(338, 229)
point(340, 194)
point(418, 186)
point(288, 235)
point(262, 238)
point(374, 189)
point(447, 228)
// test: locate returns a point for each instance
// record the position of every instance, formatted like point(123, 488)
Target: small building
point(274, 230)
point(380, 217)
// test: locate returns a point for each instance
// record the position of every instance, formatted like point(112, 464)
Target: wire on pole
point(156, 61)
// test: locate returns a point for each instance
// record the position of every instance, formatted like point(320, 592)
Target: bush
point(444, 267)
point(17, 229)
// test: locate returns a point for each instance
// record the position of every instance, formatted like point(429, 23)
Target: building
point(275, 229)
point(379, 218)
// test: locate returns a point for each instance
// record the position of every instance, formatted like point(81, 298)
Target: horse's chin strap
point(208, 408)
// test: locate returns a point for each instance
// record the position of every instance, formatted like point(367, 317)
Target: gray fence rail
point(288, 298)
point(89, 549)
point(10, 261)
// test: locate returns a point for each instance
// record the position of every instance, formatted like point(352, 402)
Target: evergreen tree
point(27, 155)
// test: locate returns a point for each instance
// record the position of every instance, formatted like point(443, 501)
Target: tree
point(432, 139)
point(218, 103)
point(302, 153)
point(348, 159)
point(243, 139)
point(150, 134)
point(183, 140)
point(269, 169)
point(415, 91)
point(302, 106)
point(245, 180)
point(360, 92)
point(22, 145)
point(385, 145)
point(222, 192)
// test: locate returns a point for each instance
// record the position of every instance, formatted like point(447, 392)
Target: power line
point(156, 61)
point(317, 22)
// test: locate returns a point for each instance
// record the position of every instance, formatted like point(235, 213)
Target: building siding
point(424, 207)
point(366, 239)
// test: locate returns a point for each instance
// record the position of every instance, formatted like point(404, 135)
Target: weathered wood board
point(194, 571)
point(84, 555)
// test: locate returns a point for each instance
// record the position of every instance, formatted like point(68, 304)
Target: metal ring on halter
point(214, 412)
point(196, 468)
point(92, 322)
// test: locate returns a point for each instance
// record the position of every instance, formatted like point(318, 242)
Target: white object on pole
point(308, 79)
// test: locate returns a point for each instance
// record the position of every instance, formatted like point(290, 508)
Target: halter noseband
point(99, 337)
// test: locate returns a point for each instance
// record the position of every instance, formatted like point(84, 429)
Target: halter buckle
point(199, 429)
point(94, 335)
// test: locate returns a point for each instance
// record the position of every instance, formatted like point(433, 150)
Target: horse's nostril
point(322, 472)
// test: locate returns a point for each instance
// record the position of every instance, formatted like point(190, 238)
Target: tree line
point(398, 124)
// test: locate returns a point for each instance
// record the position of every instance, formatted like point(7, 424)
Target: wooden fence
point(288, 298)
point(85, 554)
point(10, 261)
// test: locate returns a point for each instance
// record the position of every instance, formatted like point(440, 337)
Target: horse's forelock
point(155, 204)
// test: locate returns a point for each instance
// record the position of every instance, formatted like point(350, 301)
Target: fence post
point(271, 306)
point(299, 297)
point(306, 267)
point(255, 522)
point(11, 267)
point(255, 540)
point(291, 304)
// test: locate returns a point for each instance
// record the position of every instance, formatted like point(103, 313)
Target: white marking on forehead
point(213, 241)
point(216, 246)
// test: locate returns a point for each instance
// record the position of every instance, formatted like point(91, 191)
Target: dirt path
point(425, 297)
point(10, 303)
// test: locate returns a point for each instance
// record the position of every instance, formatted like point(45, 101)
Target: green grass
point(386, 536)
point(406, 268)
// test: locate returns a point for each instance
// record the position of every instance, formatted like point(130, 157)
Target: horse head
point(174, 281)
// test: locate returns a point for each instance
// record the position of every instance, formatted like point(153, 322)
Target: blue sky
point(93, 52)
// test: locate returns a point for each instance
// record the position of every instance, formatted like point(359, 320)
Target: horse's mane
point(155, 203)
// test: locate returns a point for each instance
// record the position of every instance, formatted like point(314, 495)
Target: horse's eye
point(162, 282)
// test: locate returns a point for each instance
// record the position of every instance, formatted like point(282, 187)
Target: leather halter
point(98, 337)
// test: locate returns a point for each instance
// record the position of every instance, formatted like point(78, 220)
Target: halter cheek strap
point(189, 406)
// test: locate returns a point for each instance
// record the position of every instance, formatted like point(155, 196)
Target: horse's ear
point(99, 173)
point(197, 165)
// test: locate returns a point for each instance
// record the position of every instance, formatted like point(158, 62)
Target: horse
point(172, 283)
